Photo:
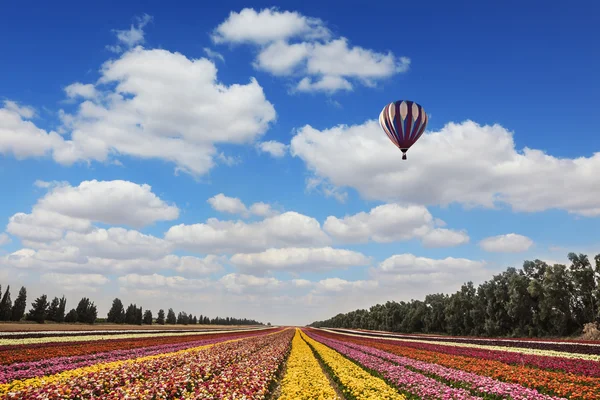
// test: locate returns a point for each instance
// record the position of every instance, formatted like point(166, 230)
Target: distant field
point(23, 326)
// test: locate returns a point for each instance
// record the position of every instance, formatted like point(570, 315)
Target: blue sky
point(130, 117)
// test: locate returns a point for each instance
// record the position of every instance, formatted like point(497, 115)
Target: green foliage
point(160, 319)
point(71, 316)
point(86, 311)
point(537, 300)
point(18, 309)
point(116, 314)
point(171, 318)
point(39, 309)
point(147, 317)
point(6, 306)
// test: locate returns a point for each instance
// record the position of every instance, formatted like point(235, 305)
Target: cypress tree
point(18, 310)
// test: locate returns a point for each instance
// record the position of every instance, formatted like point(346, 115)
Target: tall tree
point(160, 319)
point(39, 309)
point(60, 312)
point(171, 318)
point(6, 306)
point(139, 316)
point(53, 309)
point(148, 317)
point(18, 309)
point(130, 314)
point(86, 311)
point(116, 314)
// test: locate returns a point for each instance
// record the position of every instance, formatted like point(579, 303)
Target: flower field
point(288, 363)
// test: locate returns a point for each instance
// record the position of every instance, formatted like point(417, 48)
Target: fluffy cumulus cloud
point(217, 236)
point(274, 148)
point(233, 205)
point(463, 163)
point(410, 270)
point(157, 281)
point(74, 208)
point(240, 283)
point(391, 223)
point(20, 137)
point(83, 283)
point(149, 104)
point(59, 233)
point(291, 44)
point(299, 260)
point(339, 285)
point(509, 243)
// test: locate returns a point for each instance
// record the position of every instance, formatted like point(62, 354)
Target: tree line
point(537, 300)
point(86, 312)
point(42, 310)
point(134, 315)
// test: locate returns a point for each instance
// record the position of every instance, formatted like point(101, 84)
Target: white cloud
point(231, 205)
point(75, 282)
point(249, 26)
point(110, 202)
point(274, 148)
point(157, 281)
point(4, 239)
point(440, 237)
point(339, 285)
point(71, 259)
point(44, 225)
point(67, 207)
point(509, 243)
point(261, 209)
point(131, 37)
point(299, 260)
point(87, 91)
point(291, 44)
point(239, 283)
point(154, 104)
point(215, 236)
point(21, 137)
point(214, 54)
point(390, 223)
point(301, 283)
point(118, 243)
point(410, 268)
point(22, 111)
point(462, 163)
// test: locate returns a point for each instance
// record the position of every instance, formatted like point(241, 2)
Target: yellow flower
point(353, 379)
point(304, 378)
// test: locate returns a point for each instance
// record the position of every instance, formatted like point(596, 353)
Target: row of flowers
point(164, 376)
point(354, 381)
point(549, 382)
point(568, 347)
point(516, 339)
point(541, 360)
point(304, 378)
point(519, 350)
point(55, 365)
point(41, 334)
point(410, 374)
point(252, 377)
point(49, 351)
point(86, 338)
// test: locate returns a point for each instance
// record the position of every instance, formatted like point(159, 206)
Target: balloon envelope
point(404, 122)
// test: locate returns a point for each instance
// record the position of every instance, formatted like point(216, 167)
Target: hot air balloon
point(404, 122)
